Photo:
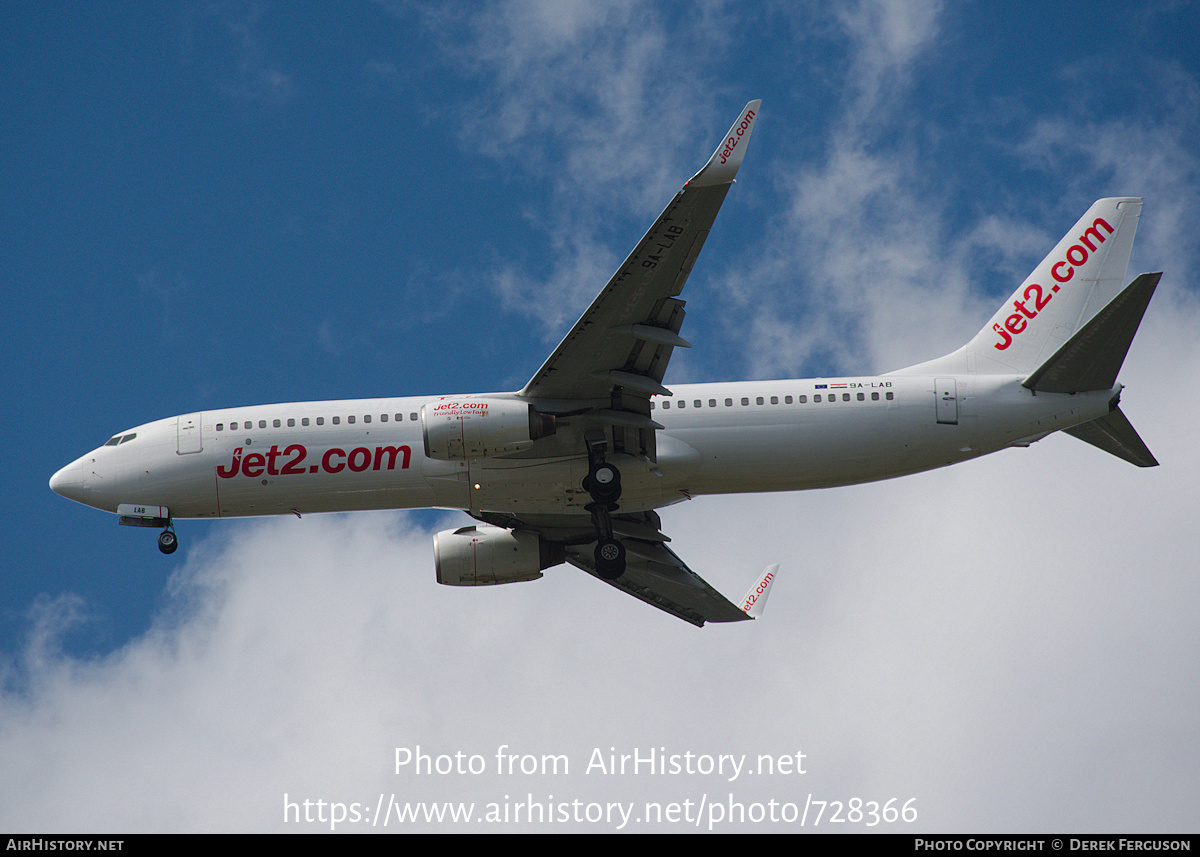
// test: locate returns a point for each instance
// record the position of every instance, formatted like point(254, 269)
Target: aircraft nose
point(69, 482)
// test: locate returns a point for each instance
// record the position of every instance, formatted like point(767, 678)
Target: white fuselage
point(716, 439)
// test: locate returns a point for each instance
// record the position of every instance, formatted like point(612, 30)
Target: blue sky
point(214, 204)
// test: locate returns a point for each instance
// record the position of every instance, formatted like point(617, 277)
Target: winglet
point(723, 165)
point(755, 600)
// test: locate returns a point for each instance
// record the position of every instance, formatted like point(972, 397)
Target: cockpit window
point(113, 441)
point(120, 438)
point(129, 437)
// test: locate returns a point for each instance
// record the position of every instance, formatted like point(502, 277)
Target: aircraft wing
point(653, 572)
point(613, 360)
point(628, 333)
point(657, 576)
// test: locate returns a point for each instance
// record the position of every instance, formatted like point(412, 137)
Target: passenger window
point(220, 426)
point(729, 403)
point(874, 397)
point(845, 397)
point(383, 418)
point(697, 404)
point(861, 397)
point(262, 423)
point(652, 404)
point(413, 415)
point(787, 400)
point(350, 420)
point(774, 400)
point(304, 421)
point(888, 396)
point(320, 421)
point(275, 423)
point(666, 406)
point(712, 403)
point(758, 400)
point(337, 421)
point(802, 400)
point(817, 397)
point(366, 418)
point(291, 422)
point(745, 401)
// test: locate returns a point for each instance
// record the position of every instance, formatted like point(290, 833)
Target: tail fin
point(1082, 274)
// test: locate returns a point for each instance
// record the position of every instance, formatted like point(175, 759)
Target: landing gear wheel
point(610, 559)
point(604, 483)
point(168, 541)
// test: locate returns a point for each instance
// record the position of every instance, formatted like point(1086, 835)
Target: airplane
point(572, 467)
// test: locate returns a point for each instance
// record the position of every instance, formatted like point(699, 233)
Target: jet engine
point(484, 555)
point(456, 429)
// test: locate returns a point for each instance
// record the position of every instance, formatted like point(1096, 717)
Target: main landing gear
point(603, 484)
point(610, 558)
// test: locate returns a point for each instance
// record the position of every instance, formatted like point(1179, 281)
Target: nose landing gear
point(136, 515)
point(168, 542)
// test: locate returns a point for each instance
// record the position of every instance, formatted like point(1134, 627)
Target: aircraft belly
point(522, 486)
point(785, 457)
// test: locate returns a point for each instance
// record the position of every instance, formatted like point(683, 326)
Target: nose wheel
point(168, 542)
point(137, 515)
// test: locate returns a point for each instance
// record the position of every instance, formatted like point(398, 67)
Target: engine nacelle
point(457, 429)
point(484, 555)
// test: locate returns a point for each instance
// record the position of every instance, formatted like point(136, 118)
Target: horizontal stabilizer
point(1091, 359)
point(1115, 435)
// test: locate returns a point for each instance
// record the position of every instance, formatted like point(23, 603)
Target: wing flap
point(663, 580)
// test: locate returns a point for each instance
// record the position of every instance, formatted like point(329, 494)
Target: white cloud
point(593, 100)
point(888, 37)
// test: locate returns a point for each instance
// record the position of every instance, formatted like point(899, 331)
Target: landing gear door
point(189, 434)
point(945, 393)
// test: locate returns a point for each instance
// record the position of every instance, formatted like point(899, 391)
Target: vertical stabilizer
point(1082, 274)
